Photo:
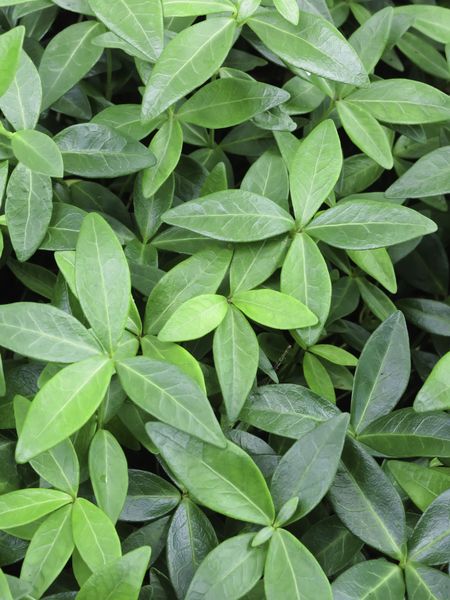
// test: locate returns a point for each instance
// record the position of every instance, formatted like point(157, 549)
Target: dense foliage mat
point(225, 322)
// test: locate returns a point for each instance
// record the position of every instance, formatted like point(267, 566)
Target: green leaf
point(28, 210)
point(317, 377)
point(164, 391)
point(79, 390)
point(382, 373)
point(374, 579)
point(405, 433)
point(286, 409)
point(38, 152)
point(430, 315)
point(230, 570)
point(268, 177)
point(180, 8)
point(365, 224)
point(291, 571)
point(230, 101)
point(100, 264)
point(314, 170)
point(428, 583)
point(10, 49)
point(149, 497)
point(435, 392)
point(305, 276)
point(231, 215)
point(25, 506)
point(274, 309)
point(308, 468)
point(430, 540)
point(108, 473)
point(21, 102)
point(139, 24)
point(67, 58)
point(44, 332)
point(199, 274)
point(427, 177)
point(121, 579)
point(378, 264)
point(4, 587)
point(403, 101)
point(288, 9)
point(226, 481)
point(190, 539)
point(94, 535)
point(236, 358)
point(422, 484)
point(195, 318)
point(366, 133)
point(433, 21)
point(367, 503)
point(313, 45)
point(334, 354)
point(370, 39)
point(50, 549)
point(95, 150)
point(166, 147)
point(180, 70)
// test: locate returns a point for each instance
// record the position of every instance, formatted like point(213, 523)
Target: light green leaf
point(181, 8)
point(78, 391)
point(25, 506)
point(38, 152)
point(274, 309)
point(314, 170)
point(291, 571)
point(10, 49)
point(334, 354)
point(164, 391)
point(100, 264)
point(226, 481)
point(422, 484)
point(231, 215)
point(166, 147)
point(186, 62)
point(365, 224)
point(372, 579)
point(435, 392)
point(94, 535)
point(378, 264)
point(425, 582)
point(28, 210)
point(288, 9)
point(317, 377)
point(430, 540)
point(433, 21)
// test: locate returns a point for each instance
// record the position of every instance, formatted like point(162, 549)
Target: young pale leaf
point(44, 332)
point(230, 570)
point(230, 101)
point(430, 541)
point(195, 318)
point(422, 484)
point(120, 579)
point(236, 357)
point(10, 49)
point(382, 373)
point(367, 503)
point(225, 480)
point(101, 265)
point(194, 8)
point(435, 392)
point(63, 406)
point(231, 215)
point(286, 409)
point(374, 579)
point(288, 9)
point(274, 309)
point(317, 377)
point(403, 101)
point(366, 133)
point(166, 147)
point(94, 535)
point(50, 549)
point(199, 274)
point(314, 170)
point(25, 506)
point(190, 539)
point(108, 472)
point(305, 276)
point(139, 24)
point(429, 176)
point(365, 224)
point(28, 210)
point(308, 468)
point(291, 571)
point(378, 264)
point(164, 391)
point(313, 45)
point(38, 152)
point(186, 62)
point(95, 150)
point(67, 59)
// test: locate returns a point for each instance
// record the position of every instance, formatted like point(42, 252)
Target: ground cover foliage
point(225, 323)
